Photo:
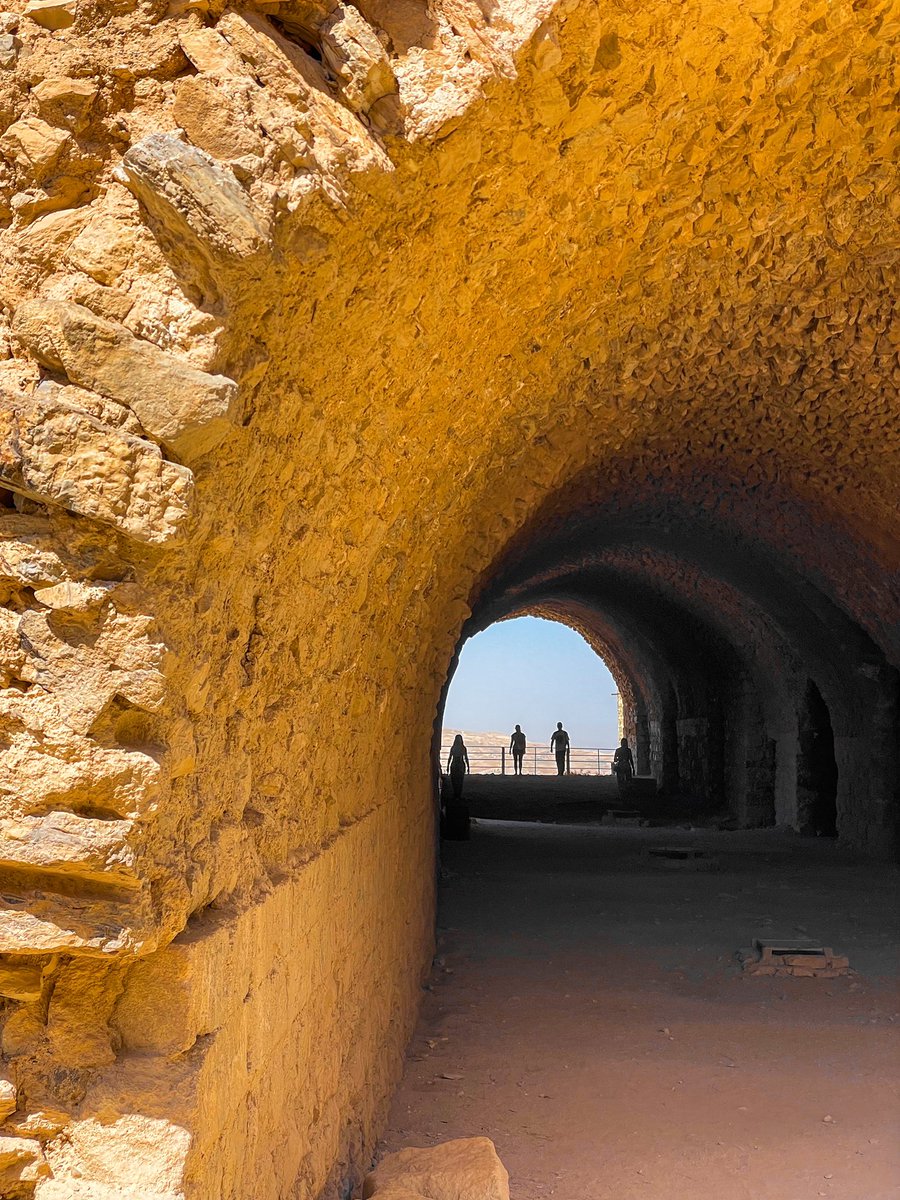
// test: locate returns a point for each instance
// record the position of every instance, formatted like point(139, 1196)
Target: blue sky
point(534, 673)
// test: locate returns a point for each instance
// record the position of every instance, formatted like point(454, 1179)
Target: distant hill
point(475, 740)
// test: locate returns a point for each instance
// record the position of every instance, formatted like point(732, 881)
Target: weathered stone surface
point(195, 197)
point(212, 122)
point(354, 53)
point(21, 1163)
point(52, 14)
point(48, 237)
point(464, 1169)
point(67, 101)
point(8, 1098)
point(186, 409)
point(30, 554)
point(61, 456)
point(34, 144)
point(103, 249)
point(75, 597)
point(24, 980)
point(9, 50)
point(66, 843)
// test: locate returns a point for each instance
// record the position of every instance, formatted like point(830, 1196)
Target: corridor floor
point(587, 1014)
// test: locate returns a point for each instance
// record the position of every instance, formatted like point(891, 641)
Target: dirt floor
point(580, 799)
point(586, 1013)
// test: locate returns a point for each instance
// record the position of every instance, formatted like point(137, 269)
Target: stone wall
point(329, 334)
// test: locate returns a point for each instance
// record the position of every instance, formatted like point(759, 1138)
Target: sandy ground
point(587, 1014)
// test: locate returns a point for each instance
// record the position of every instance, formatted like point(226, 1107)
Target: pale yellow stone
point(187, 409)
point(52, 14)
point(8, 1098)
point(33, 143)
point(464, 1169)
point(60, 455)
point(103, 248)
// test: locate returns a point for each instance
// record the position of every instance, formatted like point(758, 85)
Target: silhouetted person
point(559, 744)
point(457, 765)
point(623, 764)
point(517, 745)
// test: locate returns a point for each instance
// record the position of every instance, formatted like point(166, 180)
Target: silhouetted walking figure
point(559, 744)
point(623, 764)
point(457, 765)
point(517, 745)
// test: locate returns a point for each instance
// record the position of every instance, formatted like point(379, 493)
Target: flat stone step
point(792, 956)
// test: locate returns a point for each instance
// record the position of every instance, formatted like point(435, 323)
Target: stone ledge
point(56, 454)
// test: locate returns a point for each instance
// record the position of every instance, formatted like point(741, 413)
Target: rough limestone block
point(465, 1169)
point(29, 553)
point(186, 409)
point(59, 455)
point(65, 99)
point(212, 120)
point(52, 14)
point(34, 144)
point(49, 922)
point(103, 248)
point(194, 196)
point(353, 51)
point(8, 1098)
point(21, 1163)
point(75, 597)
point(80, 847)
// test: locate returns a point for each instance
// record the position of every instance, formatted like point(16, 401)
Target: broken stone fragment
point(9, 50)
point(8, 1098)
point(22, 1164)
point(353, 51)
point(75, 597)
point(66, 100)
point(41, 1123)
point(212, 121)
point(48, 237)
point(51, 14)
point(29, 553)
point(464, 1169)
point(186, 409)
point(103, 248)
point(58, 923)
point(59, 455)
point(34, 144)
point(194, 196)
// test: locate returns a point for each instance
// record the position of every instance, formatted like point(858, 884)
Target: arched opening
point(531, 671)
point(817, 773)
point(515, 683)
point(712, 627)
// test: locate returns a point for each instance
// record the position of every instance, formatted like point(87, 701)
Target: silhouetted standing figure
point(457, 766)
point(559, 744)
point(623, 764)
point(517, 745)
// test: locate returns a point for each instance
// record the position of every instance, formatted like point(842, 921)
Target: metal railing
point(538, 760)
